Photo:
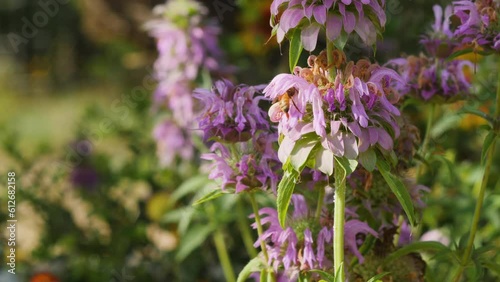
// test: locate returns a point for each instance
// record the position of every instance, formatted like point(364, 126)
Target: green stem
point(244, 227)
point(259, 225)
point(321, 199)
point(480, 198)
point(339, 220)
point(220, 246)
point(329, 50)
point(427, 138)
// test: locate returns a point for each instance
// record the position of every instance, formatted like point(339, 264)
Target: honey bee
point(281, 105)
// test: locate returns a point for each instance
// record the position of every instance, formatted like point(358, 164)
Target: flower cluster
point(433, 79)
point(365, 17)
point(171, 141)
point(350, 113)
point(305, 243)
point(243, 154)
point(231, 112)
point(246, 165)
point(479, 23)
point(440, 42)
point(187, 45)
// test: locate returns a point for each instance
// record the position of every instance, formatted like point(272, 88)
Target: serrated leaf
point(399, 189)
point(302, 150)
point(377, 277)
point(416, 247)
point(214, 194)
point(325, 161)
point(192, 240)
point(487, 144)
point(295, 49)
point(254, 265)
point(368, 159)
point(285, 191)
point(189, 186)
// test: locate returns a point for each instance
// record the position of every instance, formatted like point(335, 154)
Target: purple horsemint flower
point(231, 112)
point(187, 46)
point(306, 242)
point(478, 23)
point(186, 43)
point(172, 141)
point(440, 42)
point(350, 114)
point(334, 17)
point(246, 165)
point(433, 79)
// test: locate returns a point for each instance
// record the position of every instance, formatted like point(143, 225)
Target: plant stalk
point(220, 246)
point(339, 220)
point(329, 50)
point(427, 138)
point(259, 225)
point(321, 199)
point(246, 234)
point(479, 204)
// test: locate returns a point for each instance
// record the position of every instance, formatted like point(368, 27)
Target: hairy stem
point(339, 219)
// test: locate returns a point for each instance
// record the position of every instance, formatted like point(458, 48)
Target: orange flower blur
point(44, 277)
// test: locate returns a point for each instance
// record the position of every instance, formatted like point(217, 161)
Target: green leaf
point(341, 41)
point(493, 266)
point(189, 186)
point(399, 189)
point(302, 150)
point(192, 240)
point(325, 161)
point(295, 49)
point(348, 165)
point(416, 247)
point(487, 144)
point(476, 112)
point(324, 274)
point(466, 51)
point(459, 53)
point(377, 277)
point(214, 194)
point(368, 159)
point(254, 265)
point(449, 166)
point(338, 277)
point(285, 191)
